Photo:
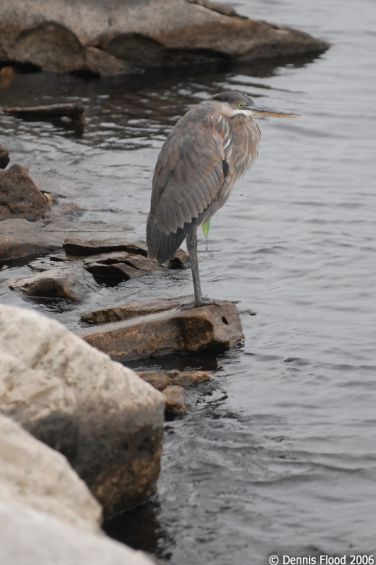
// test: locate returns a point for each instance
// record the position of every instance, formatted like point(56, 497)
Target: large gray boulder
point(28, 537)
point(35, 475)
point(99, 414)
point(60, 35)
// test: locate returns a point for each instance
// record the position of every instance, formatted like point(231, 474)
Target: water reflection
point(125, 113)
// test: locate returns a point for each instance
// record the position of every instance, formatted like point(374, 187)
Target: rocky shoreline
point(82, 37)
point(92, 430)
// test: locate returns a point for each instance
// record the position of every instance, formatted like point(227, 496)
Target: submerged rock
point(179, 331)
point(59, 37)
point(35, 475)
point(162, 379)
point(28, 537)
point(99, 414)
point(175, 401)
point(19, 196)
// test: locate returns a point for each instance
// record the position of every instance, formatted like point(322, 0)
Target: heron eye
point(240, 104)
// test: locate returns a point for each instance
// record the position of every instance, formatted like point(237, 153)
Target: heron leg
point(192, 250)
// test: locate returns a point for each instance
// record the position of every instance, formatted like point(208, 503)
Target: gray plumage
point(206, 152)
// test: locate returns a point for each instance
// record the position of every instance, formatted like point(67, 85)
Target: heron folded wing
point(189, 173)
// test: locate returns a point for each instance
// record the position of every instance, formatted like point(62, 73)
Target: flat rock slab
point(216, 326)
point(83, 248)
point(19, 196)
point(132, 310)
point(21, 240)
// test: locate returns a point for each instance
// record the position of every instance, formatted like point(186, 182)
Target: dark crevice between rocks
point(19, 66)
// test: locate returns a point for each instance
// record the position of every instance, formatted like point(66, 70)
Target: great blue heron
point(209, 148)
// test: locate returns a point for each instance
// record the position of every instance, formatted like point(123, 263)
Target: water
point(278, 455)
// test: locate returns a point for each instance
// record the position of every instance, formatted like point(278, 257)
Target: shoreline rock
point(134, 36)
point(29, 537)
point(99, 414)
point(175, 401)
point(33, 474)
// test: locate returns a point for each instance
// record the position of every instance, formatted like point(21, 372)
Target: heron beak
point(263, 112)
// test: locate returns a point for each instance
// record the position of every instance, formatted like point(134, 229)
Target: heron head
point(233, 103)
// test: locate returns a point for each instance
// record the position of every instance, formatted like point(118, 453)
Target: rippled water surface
point(279, 453)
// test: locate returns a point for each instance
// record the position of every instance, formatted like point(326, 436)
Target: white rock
point(101, 415)
point(28, 537)
point(31, 473)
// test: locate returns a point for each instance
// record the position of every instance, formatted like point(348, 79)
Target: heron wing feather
point(188, 178)
point(189, 172)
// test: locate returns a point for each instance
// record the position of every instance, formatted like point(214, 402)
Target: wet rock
point(68, 283)
point(132, 310)
point(55, 36)
point(172, 331)
point(4, 156)
point(161, 379)
point(136, 261)
point(99, 414)
point(156, 379)
point(50, 262)
point(112, 268)
point(175, 401)
point(28, 537)
point(83, 248)
point(19, 196)
point(113, 274)
point(21, 240)
point(180, 260)
point(33, 474)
